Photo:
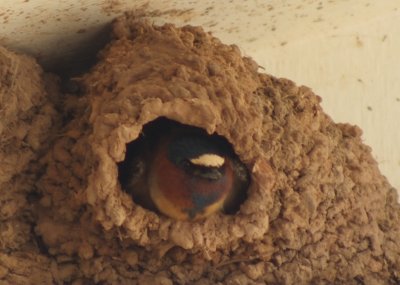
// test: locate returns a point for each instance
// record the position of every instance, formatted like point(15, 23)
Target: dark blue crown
point(186, 147)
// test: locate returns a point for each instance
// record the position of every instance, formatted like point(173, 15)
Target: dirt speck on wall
point(318, 210)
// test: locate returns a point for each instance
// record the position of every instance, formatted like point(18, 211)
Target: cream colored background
point(348, 52)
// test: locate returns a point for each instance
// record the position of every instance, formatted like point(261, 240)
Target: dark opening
point(134, 170)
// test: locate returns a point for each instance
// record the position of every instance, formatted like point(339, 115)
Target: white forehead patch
point(208, 160)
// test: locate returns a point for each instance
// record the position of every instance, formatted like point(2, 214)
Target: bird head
point(191, 177)
point(183, 172)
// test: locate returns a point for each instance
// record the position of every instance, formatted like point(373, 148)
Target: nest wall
point(318, 210)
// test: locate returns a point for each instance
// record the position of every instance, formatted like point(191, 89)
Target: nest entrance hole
point(138, 157)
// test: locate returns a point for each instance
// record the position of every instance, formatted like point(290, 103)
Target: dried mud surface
point(318, 209)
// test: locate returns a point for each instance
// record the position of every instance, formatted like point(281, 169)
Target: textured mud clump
point(318, 210)
point(27, 120)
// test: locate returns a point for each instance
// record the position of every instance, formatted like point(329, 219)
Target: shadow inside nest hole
point(183, 172)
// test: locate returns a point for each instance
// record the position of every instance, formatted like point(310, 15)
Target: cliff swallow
point(183, 173)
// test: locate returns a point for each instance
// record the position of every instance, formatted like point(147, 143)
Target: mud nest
point(318, 211)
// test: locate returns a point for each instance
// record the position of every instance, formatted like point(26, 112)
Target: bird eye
point(186, 164)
